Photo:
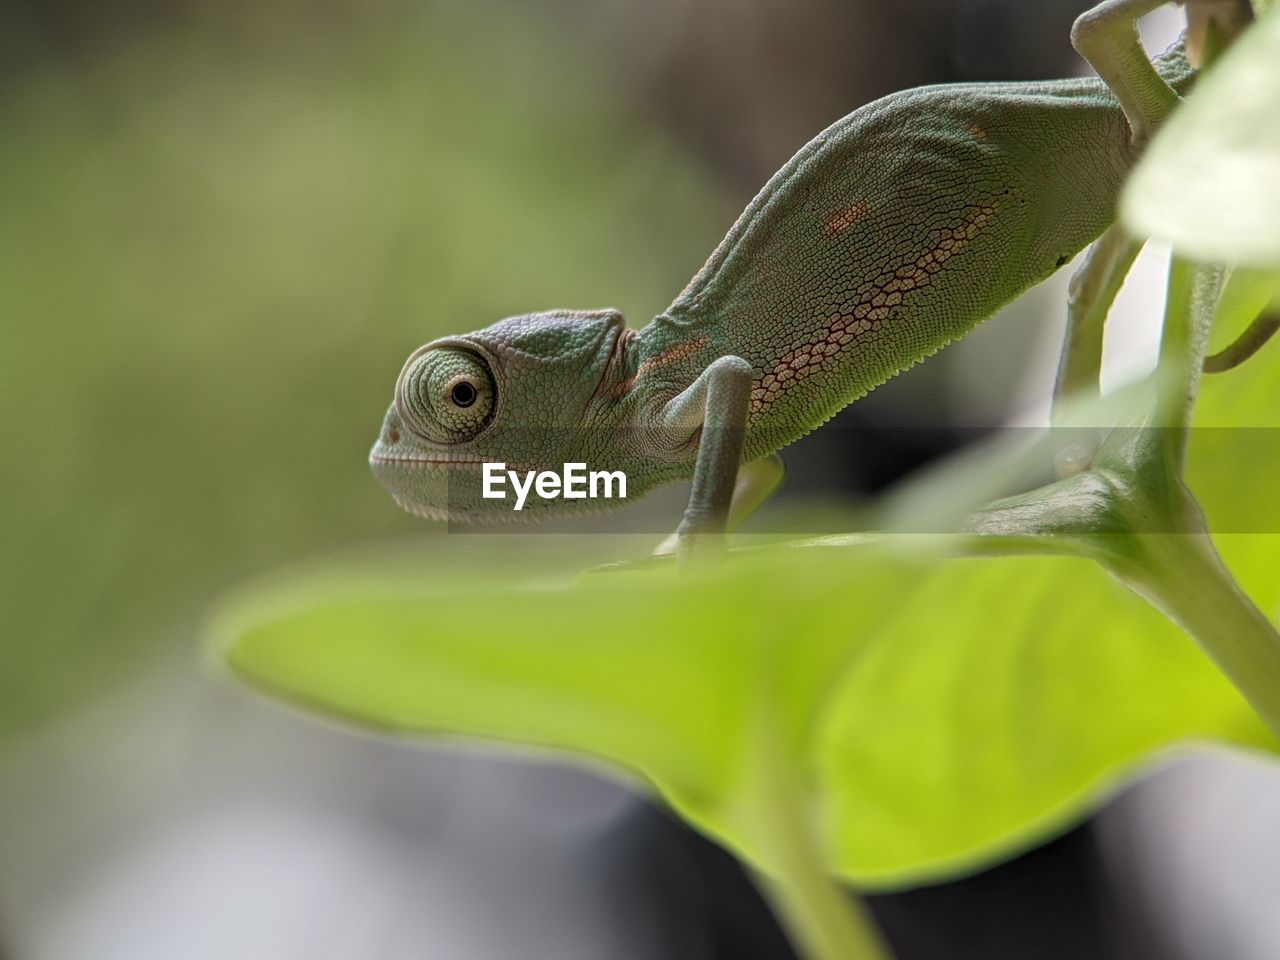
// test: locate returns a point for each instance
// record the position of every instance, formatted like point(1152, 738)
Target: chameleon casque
point(896, 230)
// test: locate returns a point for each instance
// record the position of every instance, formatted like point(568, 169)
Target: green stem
point(1182, 575)
point(1192, 298)
point(823, 921)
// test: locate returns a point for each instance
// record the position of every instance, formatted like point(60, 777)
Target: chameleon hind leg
point(1107, 36)
point(1091, 293)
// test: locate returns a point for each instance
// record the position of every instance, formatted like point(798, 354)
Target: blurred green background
point(222, 233)
point(222, 229)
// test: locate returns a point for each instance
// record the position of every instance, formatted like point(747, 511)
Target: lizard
point(895, 231)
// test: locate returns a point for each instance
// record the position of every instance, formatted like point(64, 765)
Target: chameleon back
point(895, 231)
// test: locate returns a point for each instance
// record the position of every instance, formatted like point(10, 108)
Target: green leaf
point(938, 713)
point(998, 705)
point(688, 681)
point(1210, 181)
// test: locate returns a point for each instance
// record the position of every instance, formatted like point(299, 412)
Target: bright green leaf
point(976, 704)
point(998, 705)
point(688, 681)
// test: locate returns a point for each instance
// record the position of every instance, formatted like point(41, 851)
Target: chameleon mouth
point(424, 463)
point(438, 501)
point(444, 463)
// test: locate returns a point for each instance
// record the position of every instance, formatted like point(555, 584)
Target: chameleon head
point(531, 392)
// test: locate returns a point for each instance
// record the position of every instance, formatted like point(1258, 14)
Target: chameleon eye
point(446, 394)
point(463, 394)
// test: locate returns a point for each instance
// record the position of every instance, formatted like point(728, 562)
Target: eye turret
point(446, 394)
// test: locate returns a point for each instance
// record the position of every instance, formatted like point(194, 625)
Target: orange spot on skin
point(978, 133)
point(667, 357)
point(843, 219)
point(672, 354)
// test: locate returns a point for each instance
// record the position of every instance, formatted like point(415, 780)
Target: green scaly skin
point(895, 231)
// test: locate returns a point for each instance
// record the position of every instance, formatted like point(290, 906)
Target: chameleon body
point(896, 230)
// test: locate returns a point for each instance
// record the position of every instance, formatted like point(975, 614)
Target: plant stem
point(1192, 298)
point(823, 921)
point(1182, 575)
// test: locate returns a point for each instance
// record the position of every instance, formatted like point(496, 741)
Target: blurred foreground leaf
point(1210, 181)
point(941, 713)
point(671, 676)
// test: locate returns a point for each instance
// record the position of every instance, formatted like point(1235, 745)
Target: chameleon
point(893, 232)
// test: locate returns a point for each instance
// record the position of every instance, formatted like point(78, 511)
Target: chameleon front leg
point(1107, 36)
point(715, 408)
point(758, 480)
